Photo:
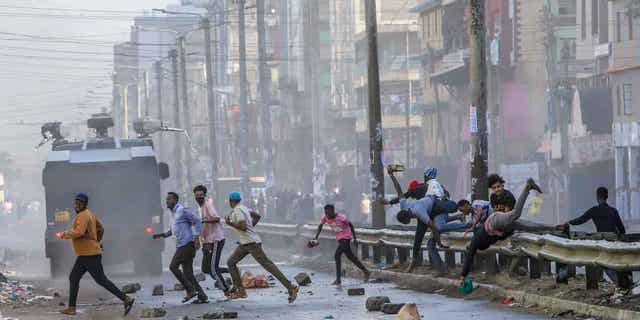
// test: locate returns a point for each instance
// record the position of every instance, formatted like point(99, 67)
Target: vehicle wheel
point(149, 265)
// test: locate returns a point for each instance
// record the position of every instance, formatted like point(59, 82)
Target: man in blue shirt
point(184, 220)
point(430, 215)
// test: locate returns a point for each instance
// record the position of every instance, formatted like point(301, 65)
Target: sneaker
point(532, 184)
point(201, 300)
point(189, 296)
point(128, 304)
point(367, 275)
point(293, 293)
point(71, 311)
point(238, 294)
point(336, 283)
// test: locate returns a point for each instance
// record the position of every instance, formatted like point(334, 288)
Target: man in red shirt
point(344, 231)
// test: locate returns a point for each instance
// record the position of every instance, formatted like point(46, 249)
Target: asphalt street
point(320, 300)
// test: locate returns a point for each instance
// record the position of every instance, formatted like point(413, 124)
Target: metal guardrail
point(620, 256)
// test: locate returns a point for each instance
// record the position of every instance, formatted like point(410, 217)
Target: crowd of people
point(428, 202)
point(193, 230)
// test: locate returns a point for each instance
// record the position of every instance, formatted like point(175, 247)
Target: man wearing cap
point(242, 221)
point(187, 243)
point(85, 234)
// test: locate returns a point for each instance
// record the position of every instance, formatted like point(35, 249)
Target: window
point(630, 19)
point(618, 31)
point(618, 101)
point(583, 19)
point(595, 5)
point(626, 97)
point(567, 7)
point(428, 26)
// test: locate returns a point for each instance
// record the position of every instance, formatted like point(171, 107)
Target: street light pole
point(244, 121)
point(265, 94)
point(173, 55)
point(185, 108)
point(211, 103)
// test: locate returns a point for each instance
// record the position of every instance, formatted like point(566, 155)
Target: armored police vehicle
point(122, 179)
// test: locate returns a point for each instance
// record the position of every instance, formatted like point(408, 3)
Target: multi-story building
point(624, 79)
point(399, 86)
point(590, 152)
point(444, 54)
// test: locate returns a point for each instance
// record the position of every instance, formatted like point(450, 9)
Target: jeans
point(255, 250)
point(434, 256)
point(183, 259)
point(444, 226)
point(421, 229)
point(93, 265)
point(344, 246)
point(211, 253)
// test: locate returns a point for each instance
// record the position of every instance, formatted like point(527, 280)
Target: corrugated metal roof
point(424, 6)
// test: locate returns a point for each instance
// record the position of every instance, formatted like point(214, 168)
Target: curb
point(555, 304)
point(552, 303)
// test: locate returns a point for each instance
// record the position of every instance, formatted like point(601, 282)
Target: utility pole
point(158, 70)
point(375, 119)
point(146, 93)
point(125, 116)
point(478, 107)
point(244, 117)
point(409, 104)
point(173, 55)
point(185, 109)
point(265, 94)
point(211, 103)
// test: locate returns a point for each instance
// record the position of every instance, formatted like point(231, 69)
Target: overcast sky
point(56, 62)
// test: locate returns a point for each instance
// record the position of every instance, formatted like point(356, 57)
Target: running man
point(242, 221)
point(85, 234)
point(344, 231)
point(212, 237)
point(187, 244)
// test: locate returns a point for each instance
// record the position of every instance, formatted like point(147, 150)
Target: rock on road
point(317, 301)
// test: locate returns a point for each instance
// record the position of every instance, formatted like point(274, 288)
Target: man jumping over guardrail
point(502, 223)
point(431, 213)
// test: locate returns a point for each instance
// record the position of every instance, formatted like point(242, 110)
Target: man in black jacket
point(606, 219)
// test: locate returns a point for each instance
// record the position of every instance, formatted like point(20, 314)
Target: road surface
point(317, 301)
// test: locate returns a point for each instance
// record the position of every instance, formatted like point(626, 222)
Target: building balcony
point(453, 68)
point(624, 55)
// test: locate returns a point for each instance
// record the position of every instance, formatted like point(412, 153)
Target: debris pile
point(18, 294)
point(250, 280)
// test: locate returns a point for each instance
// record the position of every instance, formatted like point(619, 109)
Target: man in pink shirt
point(340, 224)
point(212, 237)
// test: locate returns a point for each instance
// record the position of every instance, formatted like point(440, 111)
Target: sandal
point(238, 294)
point(293, 294)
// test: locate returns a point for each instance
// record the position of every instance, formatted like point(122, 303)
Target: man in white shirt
point(250, 243)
